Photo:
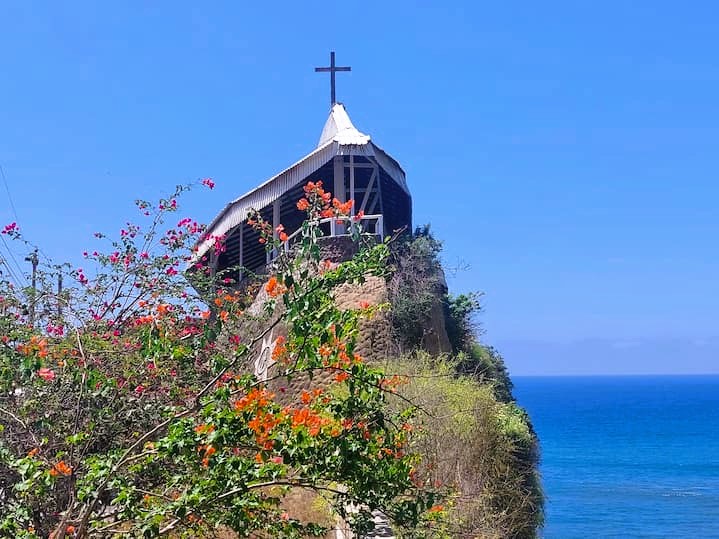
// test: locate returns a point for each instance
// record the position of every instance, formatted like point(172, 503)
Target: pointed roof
point(339, 128)
point(339, 137)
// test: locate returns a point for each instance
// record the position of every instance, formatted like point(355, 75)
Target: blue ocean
point(629, 456)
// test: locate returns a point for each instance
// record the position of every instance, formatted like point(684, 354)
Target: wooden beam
point(241, 261)
point(339, 191)
point(352, 183)
point(370, 185)
point(339, 179)
point(361, 165)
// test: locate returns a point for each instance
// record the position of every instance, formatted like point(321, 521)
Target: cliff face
point(483, 451)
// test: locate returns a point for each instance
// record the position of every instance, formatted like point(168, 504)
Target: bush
point(460, 313)
point(489, 468)
point(416, 284)
point(122, 413)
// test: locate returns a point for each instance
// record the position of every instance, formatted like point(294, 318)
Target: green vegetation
point(473, 440)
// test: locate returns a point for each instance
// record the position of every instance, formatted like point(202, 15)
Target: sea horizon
point(610, 375)
point(626, 455)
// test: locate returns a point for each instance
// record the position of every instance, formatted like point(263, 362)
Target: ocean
point(627, 456)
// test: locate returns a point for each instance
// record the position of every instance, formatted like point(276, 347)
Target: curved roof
point(339, 137)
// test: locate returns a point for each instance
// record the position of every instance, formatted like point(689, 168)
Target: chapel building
point(348, 163)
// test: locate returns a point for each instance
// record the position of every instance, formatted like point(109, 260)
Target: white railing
point(338, 227)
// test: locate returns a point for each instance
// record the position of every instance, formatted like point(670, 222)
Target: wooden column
point(339, 188)
point(276, 220)
point(352, 183)
point(242, 246)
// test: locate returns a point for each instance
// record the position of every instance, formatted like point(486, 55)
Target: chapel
point(349, 164)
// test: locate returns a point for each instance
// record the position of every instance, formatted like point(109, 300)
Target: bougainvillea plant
point(129, 405)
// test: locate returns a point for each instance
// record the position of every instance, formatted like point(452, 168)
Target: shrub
point(460, 314)
point(489, 468)
point(416, 284)
point(122, 413)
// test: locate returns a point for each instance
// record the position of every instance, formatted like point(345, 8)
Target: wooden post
point(59, 294)
point(276, 221)
point(33, 259)
point(339, 191)
point(352, 183)
point(242, 236)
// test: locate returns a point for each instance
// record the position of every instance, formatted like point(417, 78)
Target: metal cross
point(332, 69)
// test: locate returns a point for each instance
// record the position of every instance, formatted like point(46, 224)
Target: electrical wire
point(18, 281)
point(7, 190)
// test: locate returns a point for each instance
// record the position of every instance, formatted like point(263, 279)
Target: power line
point(11, 273)
point(18, 281)
point(7, 190)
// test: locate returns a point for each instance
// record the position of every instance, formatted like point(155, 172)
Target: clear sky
point(566, 152)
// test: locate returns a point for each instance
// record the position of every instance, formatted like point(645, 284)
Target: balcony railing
point(372, 225)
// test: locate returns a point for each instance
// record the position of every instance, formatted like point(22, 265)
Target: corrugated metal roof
point(339, 137)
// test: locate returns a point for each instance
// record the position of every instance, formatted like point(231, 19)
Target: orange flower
point(205, 314)
point(33, 452)
point(302, 204)
point(342, 376)
point(204, 429)
point(306, 397)
point(271, 285)
point(70, 529)
point(224, 315)
point(258, 398)
point(280, 350)
point(435, 509)
point(163, 309)
point(218, 302)
point(274, 288)
point(61, 469)
point(364, 305)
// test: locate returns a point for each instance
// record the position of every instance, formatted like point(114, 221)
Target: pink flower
point(140, 389)
point(9, 229)
point(46, 374)
point(171, 271)
point(208, 182)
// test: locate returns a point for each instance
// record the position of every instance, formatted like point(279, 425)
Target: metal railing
point(338, 227)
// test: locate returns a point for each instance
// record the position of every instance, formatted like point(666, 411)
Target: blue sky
point(566, 152)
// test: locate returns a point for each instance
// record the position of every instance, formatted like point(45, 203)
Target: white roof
point(338, 128)
point(339, 137)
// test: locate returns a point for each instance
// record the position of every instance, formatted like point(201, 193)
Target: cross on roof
point(332, 69)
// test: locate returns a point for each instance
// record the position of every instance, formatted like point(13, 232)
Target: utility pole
point(33, 259)
point(59, 294)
